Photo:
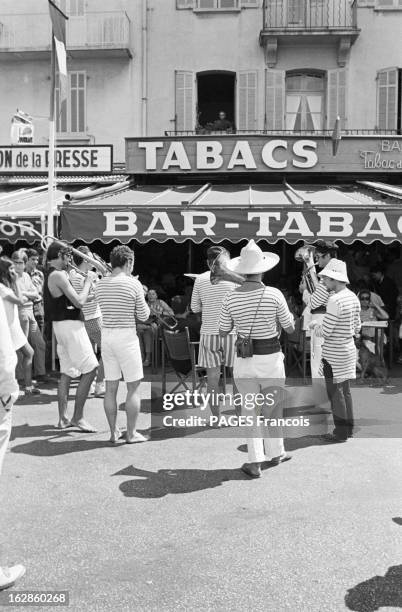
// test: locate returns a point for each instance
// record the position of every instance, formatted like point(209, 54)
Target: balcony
point(309, 21)
point(28, 36)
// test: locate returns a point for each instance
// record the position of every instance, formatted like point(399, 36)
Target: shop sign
point(24, 231)
point(68, 160)
point(254, 154)
point(231, 224)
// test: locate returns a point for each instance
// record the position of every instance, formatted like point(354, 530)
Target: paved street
point(173, 524)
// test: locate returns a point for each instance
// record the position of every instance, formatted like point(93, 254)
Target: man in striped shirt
point(341, 323)
point(207, 298)
point(122, 301)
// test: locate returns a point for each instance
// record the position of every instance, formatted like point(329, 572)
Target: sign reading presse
point(69, 160)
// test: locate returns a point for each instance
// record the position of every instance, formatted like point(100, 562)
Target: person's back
point(207, 299)
point(119, 298)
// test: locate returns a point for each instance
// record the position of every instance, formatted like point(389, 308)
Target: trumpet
point(167, 321)
point(304, 254)
point(96, 262)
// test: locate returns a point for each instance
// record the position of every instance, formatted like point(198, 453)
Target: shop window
point(389, 97)
point(71, 113)
point(304, 101)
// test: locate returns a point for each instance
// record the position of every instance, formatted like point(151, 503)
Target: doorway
point(215, 92)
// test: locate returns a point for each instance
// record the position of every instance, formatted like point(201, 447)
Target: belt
point(266, 346)
point(319, 310)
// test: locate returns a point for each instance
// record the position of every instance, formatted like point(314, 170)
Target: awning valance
point(236, 212)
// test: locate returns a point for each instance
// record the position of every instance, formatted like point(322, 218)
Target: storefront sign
point(69, 160)
point(254, 154)
point(10, 233)
point(230, 224)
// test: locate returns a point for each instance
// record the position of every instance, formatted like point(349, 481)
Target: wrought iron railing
point(309, 14)
point(348, 132)
point(91, 30)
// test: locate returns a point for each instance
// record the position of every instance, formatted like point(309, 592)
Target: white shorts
point(74, 348)
point(121, 354)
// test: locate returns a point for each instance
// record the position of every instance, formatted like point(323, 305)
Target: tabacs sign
point(89, 159)
point(255, 154)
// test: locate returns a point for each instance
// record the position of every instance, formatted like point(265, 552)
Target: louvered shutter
point(184, 4)
point(250, 3)
point(247, 100)
point(184, 100)
point(387, 99)
point(336, 97)
point(274, 99)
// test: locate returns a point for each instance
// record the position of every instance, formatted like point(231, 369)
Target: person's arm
point(319, 297)
point(196, 304)
point(142, 310)
point(330, 319)
point(8, 294)
point(357, 323)
point(28, 288)
point(225, 320)
point(62, 283)
point(380, 313)
point(285, 317)
point(166, 308)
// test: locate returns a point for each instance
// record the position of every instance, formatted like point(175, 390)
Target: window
point(71, 115)
point(388, 92)
point(73, 8)
point(389, 4)
point(304, 102)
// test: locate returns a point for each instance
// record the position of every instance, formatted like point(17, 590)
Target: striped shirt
point(239, 308)
point(341, 322)
point(91, 309)
point(319, 297)
point(207, 299)
point(121, 300)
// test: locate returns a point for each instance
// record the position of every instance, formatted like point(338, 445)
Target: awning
point(234, 212)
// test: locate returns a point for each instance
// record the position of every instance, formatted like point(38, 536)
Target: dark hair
point(326, 247)
point(82, 249)
point(5, 277)
point(364, 292)
point(32, 253)
point(56, 249)
point(377, 268)
point(178, 304)
point(20, 254)
point(214, 251)
point(120, 255)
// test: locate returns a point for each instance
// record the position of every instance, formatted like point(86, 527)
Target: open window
point(216, 95)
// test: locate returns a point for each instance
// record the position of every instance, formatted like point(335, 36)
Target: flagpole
point(51, 173)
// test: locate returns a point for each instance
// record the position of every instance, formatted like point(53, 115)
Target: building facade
point(150, 67)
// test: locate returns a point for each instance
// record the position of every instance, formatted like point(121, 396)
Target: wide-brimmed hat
point(336, 269)
point(252, 260)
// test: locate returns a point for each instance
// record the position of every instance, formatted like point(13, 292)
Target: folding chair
point(179, 351)
point(297, 349)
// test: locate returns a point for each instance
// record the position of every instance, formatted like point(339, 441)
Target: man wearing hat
point(207, 299)
point(255, 311)
point(63, 309)
point(341, 323)
point(325, 251)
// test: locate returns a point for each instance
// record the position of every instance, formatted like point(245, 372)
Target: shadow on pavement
point(397, 520)
point(150, 485)
point(46, 397)
point(52, 447)
point(36, 431)
point(378, 592)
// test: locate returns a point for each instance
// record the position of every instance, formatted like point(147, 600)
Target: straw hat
point(252, 260)
point(335, 269)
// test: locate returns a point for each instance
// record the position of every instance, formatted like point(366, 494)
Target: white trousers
point(259, 374)
point(5, 431)
point(318, 381)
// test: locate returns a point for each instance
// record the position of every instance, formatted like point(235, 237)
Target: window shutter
point(274, 99)
point(249, 3)
point(336, 97)
point(247, 100)
point(184, 100)
point(184, 4)
point(387, 98)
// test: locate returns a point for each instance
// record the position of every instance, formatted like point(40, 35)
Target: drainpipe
point(144, 68)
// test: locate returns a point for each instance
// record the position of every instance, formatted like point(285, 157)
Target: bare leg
point(80, 399)
point(133, 404)
point(27, 356)
point(62, 397)
point(100, 375)
point(213, 376)
point(110, 406)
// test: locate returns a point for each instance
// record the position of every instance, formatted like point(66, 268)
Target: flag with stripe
point(58, 19)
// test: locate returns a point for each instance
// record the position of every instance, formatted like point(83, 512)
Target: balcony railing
point(106, 30)
point(309, 15)
point(295, 133)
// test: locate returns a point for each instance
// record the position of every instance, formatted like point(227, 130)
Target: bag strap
point(255, 314)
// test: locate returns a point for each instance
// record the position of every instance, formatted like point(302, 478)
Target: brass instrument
point(97, 262)
point(305, 254)
point(220, 272)
point(167, 321)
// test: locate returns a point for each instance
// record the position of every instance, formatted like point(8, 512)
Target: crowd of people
point(104, 326)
